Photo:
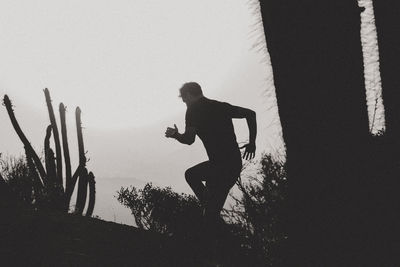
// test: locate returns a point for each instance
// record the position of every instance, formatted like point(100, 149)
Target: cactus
point(92, 194)
point(21, 135)
point(51, 179)
point(59, 174)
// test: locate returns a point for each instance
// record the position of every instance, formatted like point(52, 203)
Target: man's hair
point(192, 88)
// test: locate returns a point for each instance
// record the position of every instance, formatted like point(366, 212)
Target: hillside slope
point(33, 238)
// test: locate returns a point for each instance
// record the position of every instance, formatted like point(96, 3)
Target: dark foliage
point(161, 209)
point(21, 182)
point(16, 174)
point(256, 219)
point(259, 212)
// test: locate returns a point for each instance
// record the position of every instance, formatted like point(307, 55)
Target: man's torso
point(213, 122)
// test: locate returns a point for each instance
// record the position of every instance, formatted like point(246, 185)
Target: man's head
point(190, 92)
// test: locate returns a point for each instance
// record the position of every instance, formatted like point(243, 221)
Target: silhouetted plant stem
point(64, 136)
point(81, 147)
point(59, 179)
point(24, 140)
point(82, 192)
point(92, 194)
point(82, 184)
point(50, 168)
point(37, 185)
point(70, 190)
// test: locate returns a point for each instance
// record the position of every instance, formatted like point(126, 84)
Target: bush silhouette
point(256, 219)
point(15, 172)
point(259, 213)
point(161, 209)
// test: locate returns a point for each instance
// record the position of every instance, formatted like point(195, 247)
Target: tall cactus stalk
point(70, 190)
point(50, 167)
point(59, 174)
point(83, 179)
point(82, 192)
point(67, 159)
point(81, 147)
point(92, 194)
point(21, 135)
point(37, 185)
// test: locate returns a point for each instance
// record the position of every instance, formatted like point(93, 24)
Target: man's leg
point(217, 193)
point(195, 176)
point(219, 184)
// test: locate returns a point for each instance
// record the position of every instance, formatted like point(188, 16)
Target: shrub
point(256, 219)
point(259, 213)
point(15, 172)
point(161, 209)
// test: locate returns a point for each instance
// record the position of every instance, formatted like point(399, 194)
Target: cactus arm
point(83, 179)
point(82, 192)
point(59, 179)
point(52, 168)
point(92, 194)
point(37, 184)
point(64, 136)
point(50, 172)
point(70, 190)
point(22, 137)
point(82, 157)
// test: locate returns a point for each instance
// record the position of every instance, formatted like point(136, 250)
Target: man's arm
point(187, 137)
point(250, 116)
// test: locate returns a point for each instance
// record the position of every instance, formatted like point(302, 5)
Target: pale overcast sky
point(122, 63)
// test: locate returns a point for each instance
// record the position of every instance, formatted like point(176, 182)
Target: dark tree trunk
point(316, 56)
point(388, 29)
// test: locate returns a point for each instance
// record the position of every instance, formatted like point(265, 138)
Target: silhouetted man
point(212, 122)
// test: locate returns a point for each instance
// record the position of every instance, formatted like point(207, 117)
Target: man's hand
point(171, 132)
point(250, 151)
